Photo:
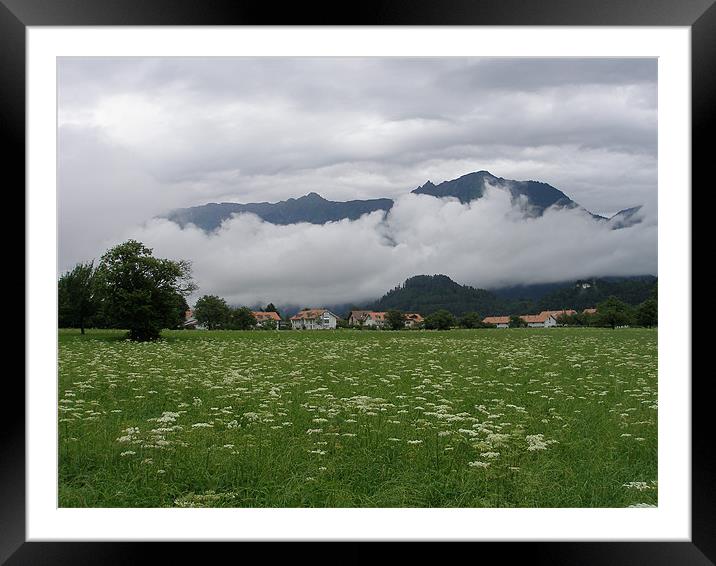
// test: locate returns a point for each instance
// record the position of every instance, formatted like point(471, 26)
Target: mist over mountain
point(313, 252)
point(539, 196)
point(626, 218)
point(532, 197)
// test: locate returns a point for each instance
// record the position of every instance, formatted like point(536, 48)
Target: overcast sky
point(141, 136)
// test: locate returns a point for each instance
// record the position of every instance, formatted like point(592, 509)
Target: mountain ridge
point(535, 197)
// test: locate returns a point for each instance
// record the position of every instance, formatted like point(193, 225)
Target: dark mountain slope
point(311, 208)
point(427, 293)
point(467, 188)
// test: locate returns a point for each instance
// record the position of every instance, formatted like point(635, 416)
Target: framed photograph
point(397, 278)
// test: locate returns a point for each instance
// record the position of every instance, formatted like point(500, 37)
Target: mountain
point(534, 196)
point(427, 293)
point(312, 208)
point(467, 188)
point(588, 293)
point(625, 218)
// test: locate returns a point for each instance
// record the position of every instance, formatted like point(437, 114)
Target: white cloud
point(141, 136)
point(486, 243)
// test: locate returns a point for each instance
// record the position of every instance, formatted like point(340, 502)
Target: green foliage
point(139, 292)
point(212, 311)
point(647, 313)
point(517, 322)
point(241, 319)
point(574, 296)
point(613, 313)
point(470, 320)
point(576, 319)
point(429, 293)
point(180, 308)
point(440, 320)
point(76, 296)
point(395, 319)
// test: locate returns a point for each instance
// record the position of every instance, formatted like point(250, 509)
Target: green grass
point(359, 419)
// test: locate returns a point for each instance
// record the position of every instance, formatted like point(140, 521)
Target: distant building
point(589, 311)
point(374, 319)
point(314, 319)
point(190, 322)
point(356, 318)
point(498, 321)
point(538, 321)
point(413, 320)
point(545, 319)
point(263, 316)
point(266, 316)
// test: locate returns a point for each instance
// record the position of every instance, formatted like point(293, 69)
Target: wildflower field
point(463, 418)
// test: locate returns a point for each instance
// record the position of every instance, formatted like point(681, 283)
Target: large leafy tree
point(76, 296)
point(212, 312)
point(139, 291)
point(241, 319)
point(613, 313)
point(395, 319)
point(647, 313)
point(439, 320)
point(470, 320)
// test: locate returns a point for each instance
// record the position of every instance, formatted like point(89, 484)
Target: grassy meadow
point(463, 418)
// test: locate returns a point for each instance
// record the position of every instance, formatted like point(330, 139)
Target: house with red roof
point(498, 321)
point(545, 319)
point(190, 322)
point(314, 319)
point(266, 317)
point(374, 319)
point(356, 318)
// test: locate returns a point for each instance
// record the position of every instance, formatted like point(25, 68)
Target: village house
point(413, 320)
point(314, 319)
point(190, 322)
point(589, 311)
point(263, 317)
point(356, 318)
point(374, 319)
point(498, 321)
point(538, 320)
point(545, 319)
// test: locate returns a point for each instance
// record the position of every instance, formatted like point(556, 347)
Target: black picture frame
point(699, 15)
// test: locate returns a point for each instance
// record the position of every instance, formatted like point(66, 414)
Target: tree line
point(215, 313)
point(429, 293)
point(132, 289)
point(611, 313)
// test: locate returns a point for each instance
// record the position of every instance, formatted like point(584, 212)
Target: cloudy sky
point(141, 136)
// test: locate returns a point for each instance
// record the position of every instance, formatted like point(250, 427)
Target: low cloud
point(487, 243)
